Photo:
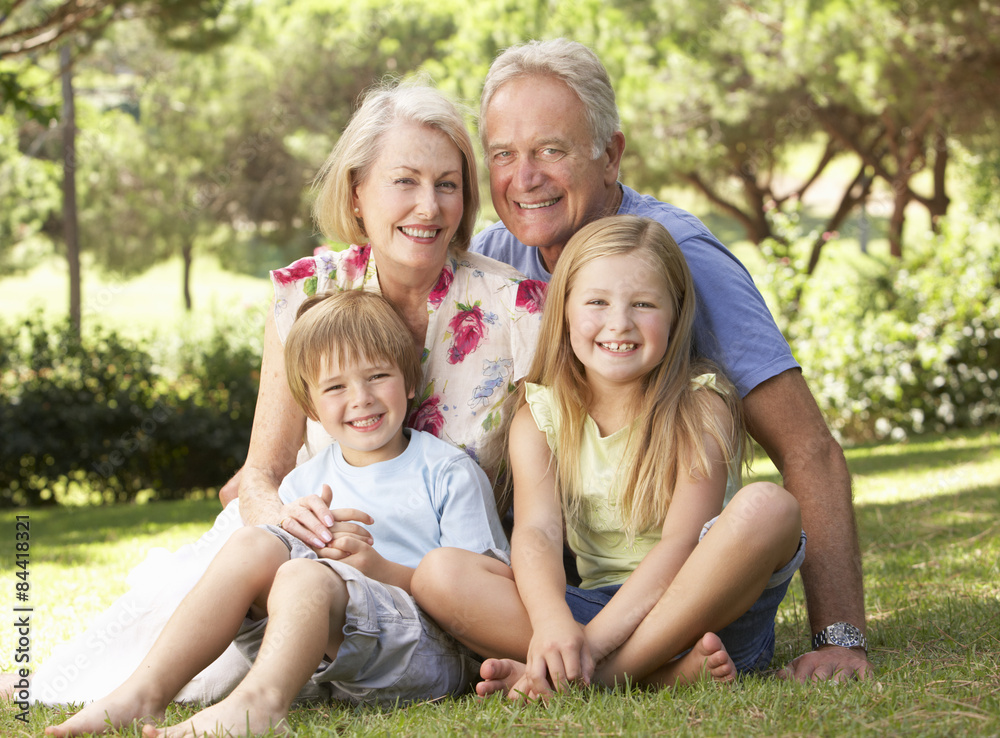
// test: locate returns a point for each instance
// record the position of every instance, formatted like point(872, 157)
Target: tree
point(896, 95)
point(37, 26)
point(224, 143)
point(719, 94)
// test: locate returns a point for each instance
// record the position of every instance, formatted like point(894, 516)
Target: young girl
point(624, 441)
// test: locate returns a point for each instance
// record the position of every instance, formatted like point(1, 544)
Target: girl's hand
point(558, 656)
point(311, 520)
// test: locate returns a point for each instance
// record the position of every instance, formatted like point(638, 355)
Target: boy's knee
point(303, 570)
point(302, 580)
point(250, 538)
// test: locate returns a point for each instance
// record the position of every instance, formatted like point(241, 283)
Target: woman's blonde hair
point(674, 414)
point(348, 327)
point(385, 108)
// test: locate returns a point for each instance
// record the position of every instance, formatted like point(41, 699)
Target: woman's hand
point(311, 520)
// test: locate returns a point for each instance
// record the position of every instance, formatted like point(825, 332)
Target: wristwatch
point(840, 634)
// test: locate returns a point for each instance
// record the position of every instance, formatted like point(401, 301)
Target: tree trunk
point(70, 229)
point(898, 218)
point(756, 226)
point(939, 200)
point(186, 253)
point(857, 192)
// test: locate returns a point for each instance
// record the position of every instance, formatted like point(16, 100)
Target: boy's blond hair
point(349, 327)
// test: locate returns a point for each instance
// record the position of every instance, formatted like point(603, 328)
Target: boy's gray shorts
point(392, 652)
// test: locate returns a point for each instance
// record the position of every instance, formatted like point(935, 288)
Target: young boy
point(343, 620)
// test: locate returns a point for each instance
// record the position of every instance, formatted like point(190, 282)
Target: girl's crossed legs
point(476, 600)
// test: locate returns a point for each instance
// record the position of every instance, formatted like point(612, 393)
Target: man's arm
point(784, 418)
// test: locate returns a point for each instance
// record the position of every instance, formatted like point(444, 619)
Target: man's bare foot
point(499, 675)
point(118, 709)
point(244, 712)
point(708, 659)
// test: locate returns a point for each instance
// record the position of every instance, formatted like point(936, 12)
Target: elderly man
point(550, 129)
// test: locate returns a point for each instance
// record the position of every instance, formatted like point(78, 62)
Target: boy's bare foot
point(118, 709)
point(244, 712)
point(7, 685)
point(708, 659)
point(499, 675)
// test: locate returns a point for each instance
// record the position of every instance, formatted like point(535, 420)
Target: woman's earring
point(357, 211)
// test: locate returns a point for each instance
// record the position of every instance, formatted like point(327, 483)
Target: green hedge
point(101, 415)
point(913, 346)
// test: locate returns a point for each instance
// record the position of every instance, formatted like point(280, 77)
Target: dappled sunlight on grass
point(81, 556)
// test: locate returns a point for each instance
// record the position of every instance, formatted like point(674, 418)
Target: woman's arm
point(278, 428)
point(558, 652)
point(695, 501)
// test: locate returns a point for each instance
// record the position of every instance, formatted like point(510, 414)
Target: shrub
point(99, 414)
point(915, 348)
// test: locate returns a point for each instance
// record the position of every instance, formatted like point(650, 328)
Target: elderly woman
point(401, 185)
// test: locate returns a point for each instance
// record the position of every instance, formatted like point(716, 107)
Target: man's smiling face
point(544, 180)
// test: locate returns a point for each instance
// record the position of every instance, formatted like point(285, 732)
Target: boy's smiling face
point(362, 406)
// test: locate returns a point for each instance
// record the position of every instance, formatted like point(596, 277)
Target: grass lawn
point(929, 519)
point(148, 305)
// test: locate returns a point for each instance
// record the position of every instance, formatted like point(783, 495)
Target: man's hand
point(831, 663)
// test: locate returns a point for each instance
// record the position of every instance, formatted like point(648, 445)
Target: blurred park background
point(156, 159)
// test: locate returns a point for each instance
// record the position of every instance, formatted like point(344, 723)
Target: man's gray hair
point(573, 63)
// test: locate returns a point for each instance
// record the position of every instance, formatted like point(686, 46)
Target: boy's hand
point(311, 520)
point(356, 551)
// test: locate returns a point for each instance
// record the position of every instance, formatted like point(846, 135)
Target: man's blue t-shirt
point(732, 326)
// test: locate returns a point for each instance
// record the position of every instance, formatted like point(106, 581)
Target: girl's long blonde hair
point(674, 414)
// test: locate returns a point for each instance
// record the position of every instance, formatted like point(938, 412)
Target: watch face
point(843, 634)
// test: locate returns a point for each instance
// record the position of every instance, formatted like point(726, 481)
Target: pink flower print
point(531, 295)
point(356, 261)
point(440, 290)
point(301, 269)
point(469, 329)
point(427, 417)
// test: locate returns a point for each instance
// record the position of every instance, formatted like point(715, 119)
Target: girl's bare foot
point(118, 709)
point(244, 712)
point(499, 675)
point(708, 659)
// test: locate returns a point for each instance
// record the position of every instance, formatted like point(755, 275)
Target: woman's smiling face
point(411, 200)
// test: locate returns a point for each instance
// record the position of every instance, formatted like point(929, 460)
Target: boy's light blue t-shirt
point(431, 495)
point(733, 326)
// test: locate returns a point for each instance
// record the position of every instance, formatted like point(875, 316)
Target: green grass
point(148, 304)
point(929, 521)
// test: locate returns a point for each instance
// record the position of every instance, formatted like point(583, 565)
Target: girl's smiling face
point(619, 312)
